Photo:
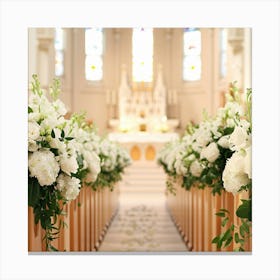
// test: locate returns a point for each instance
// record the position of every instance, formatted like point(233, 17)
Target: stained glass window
point(59, 52)
point(142, 54)
point(94, 54)
point(223, 53)
point(191, 54)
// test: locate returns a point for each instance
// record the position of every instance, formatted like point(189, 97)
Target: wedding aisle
point(143, 223)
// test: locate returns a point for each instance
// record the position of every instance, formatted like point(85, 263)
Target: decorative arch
point(135, 153)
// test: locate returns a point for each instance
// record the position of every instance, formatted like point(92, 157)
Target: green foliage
point(245, 209)
point(226, 238)
point(170, 187)
point(106, 179)
point(188, 182)
point(45, 201)
point(249, 105)
point(55, 89)
point(35, 86)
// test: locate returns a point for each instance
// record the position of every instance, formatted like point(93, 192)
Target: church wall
point(94, 97)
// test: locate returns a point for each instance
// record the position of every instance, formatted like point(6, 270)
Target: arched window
point(142, 54)
point(94, 54)
point(59, 52)
point(223, 53)
point(191, 54)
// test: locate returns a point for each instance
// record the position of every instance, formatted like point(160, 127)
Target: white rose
point(55, 143)
point(32, 146)
point(93, 163)
point(196, 168)
point(34, 117)
point(239, 138)
point(33, 130)
point(49, 123)
point(68, 186)
point(224, 141)
point(68, 164)
point(203, 136)
point(179, 167)
point(43, 165)
point(230, 122)
point(211, 152)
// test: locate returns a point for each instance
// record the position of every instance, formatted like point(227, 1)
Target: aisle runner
point(142, 228)
point(143, 223)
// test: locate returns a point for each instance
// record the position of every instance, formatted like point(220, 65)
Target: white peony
point(68, 186)
point(234, 176)
point(43, 165)
point(211, 152)
point(68, 164)
point(196, 168)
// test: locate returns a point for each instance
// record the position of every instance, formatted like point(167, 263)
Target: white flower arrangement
point(199, 155)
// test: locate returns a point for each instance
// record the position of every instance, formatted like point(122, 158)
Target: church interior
point(139, 95)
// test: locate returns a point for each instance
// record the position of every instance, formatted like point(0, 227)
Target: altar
point(142, 125)
point(143, 146)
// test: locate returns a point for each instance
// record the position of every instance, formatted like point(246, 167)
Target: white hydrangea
point(43, 165)
point(68, 186)
point(211, 152)
point(234, 176)
point(196, 168)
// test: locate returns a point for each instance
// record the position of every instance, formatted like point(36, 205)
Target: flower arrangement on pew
point(216, 153)
point(63, 155)
point(237, 178)
point(200, 155)
point(114, 159)
point(54, 169)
